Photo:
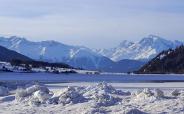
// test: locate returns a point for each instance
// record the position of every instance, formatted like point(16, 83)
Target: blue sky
point(92, 23)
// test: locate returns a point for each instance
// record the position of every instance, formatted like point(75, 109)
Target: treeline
point(37, 64)
point(170, 61)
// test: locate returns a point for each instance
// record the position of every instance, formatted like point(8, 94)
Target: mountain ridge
point(85, 58)
point(145, 49)
point(52, 51)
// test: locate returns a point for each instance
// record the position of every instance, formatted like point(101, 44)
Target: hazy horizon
point(89, 23)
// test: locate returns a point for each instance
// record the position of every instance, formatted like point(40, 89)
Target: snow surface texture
point(101, 98)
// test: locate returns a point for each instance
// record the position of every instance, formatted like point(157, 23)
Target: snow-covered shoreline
point(92, 98)
point(8, 67)
point(48, 93)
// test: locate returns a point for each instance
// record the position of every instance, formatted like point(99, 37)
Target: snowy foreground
point(91, 98)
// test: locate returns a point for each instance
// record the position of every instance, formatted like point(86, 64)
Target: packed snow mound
point(133, 111)
point(70, 95)
point(33, 95)
point(104, 99)
point(3, 91)
point(103, 88)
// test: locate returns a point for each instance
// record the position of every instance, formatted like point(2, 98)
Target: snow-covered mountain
point(53, 51)
point(145, 49)
point(113, 60)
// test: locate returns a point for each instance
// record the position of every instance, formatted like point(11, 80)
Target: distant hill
point(170, 61)
point(9, 55)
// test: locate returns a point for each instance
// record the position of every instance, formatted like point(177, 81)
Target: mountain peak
point(15, 38)
point(151, 38)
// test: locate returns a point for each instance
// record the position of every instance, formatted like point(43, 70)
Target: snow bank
point(100, 94)
point(3, 91)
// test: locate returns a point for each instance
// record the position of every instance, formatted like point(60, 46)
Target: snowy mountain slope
point(53, 51)
point(145, 49)
point(45, 50)
point(77, 56)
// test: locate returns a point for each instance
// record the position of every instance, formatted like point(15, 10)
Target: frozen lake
point(48, 77)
